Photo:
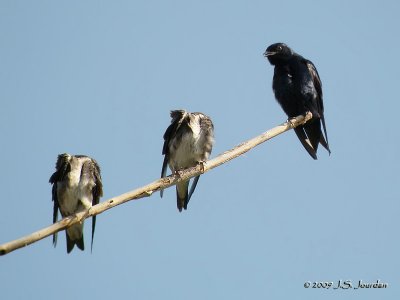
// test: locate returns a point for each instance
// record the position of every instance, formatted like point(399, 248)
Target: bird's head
point(278, 52)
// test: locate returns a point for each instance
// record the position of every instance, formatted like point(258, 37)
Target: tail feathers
point(80, 244)
point(324, 143)
point(310, 135)
point(301, 134)
point(71, 243)
point(182, 197)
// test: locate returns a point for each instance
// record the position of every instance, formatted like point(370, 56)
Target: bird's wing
point(164, 171)
point(98, 188)
point(192, 188)
point(97, 192)
point(317, 83)
point(62, 168)
point(206, 123)
point(320, 103)
point(55, 211)
point(177, 118)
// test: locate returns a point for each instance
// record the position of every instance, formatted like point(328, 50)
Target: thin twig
point(155, 186)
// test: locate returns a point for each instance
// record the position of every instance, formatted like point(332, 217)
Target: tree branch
point(155, 186)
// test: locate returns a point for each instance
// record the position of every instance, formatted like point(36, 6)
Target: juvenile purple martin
point(188, 141)
point(76, 187)
point(298, 89)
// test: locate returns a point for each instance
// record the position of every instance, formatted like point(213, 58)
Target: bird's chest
point(186, 151)
point(284, 89)
point(73, 191)
point(287, 89)
point(283, 82)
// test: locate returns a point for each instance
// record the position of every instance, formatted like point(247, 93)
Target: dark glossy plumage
point(187, 142)
point(77, 186)
point(298, 89)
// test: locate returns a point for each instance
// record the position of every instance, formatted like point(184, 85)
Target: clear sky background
point(100, 77)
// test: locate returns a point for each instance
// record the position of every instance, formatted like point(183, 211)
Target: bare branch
point(155, 186)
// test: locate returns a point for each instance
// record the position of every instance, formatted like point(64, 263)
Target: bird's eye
point(280, 48)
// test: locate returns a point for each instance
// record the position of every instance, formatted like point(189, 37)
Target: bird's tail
point(71, 243)
point(305, 141)
point(313, 131)
point(324, 140)
point(74, 236)
point(310, 135)
point(182, 197)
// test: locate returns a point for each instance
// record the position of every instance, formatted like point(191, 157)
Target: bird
point(188, 141)
point(298, 89)
point(77, 185)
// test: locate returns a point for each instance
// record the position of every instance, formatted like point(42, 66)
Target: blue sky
point(100, 77)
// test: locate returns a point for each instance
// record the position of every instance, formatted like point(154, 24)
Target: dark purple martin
point(76, 187)
point(188, 141)
point(298, 89)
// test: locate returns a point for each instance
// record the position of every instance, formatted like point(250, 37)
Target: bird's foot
point(86, 204)
point(178, 173)
point(291, 122)
point(202, 164)
point(85, 207)
point(308, 116)
point(86, 214)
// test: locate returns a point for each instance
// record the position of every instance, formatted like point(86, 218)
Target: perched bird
point(188, 141)
point(76, 187)
point(298, 89)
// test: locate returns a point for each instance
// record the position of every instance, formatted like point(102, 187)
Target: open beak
point(269, 53)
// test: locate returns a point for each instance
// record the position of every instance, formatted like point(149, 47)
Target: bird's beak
point(268, 53)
